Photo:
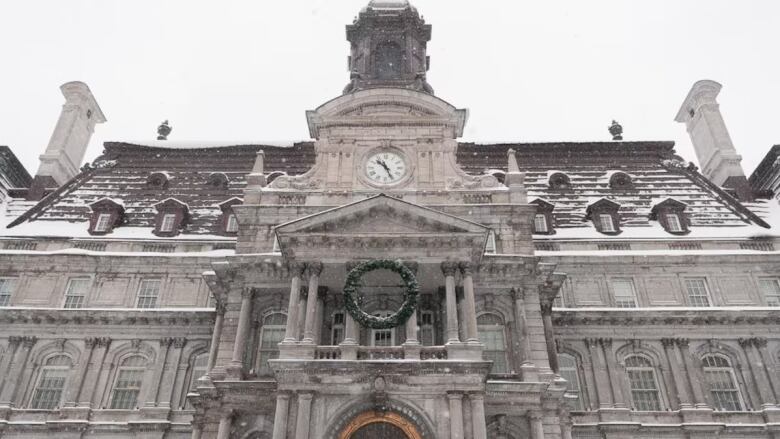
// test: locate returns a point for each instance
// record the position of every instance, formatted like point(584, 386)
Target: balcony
point(381, 353)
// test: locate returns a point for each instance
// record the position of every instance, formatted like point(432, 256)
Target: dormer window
point(670, 213)
point(560, 181)
point(543, 219)
point(106, 214)
point(171, 217)
point(620, 180)
point(218, 180)
point(158, 180)
point(604, 215)
point(228, 222)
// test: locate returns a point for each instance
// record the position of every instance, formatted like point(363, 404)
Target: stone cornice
point(666, 316)
point(119, 316)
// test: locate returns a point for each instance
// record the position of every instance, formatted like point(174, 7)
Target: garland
point(352, 301)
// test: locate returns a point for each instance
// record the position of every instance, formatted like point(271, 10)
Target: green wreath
point(352, 301)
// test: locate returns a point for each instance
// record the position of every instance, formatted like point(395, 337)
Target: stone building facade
point(560, 290)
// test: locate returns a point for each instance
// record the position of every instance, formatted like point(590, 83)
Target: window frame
point(66, 295)
point(489, 353)
point(335, 327)
point(427, 327)
point(112, 403)
point(194, 376)
point(111, 210)
point(578, 403)
point(670, 206)
point(167, 226)
point(265, 353)
point(735, 390)
point(156, 297)
point(632, 285)
point(689, 297)
point(650, 367)
point(37, 391)
point(766, 295)
point(375, 332)
point(7, 295)
point(540, 219)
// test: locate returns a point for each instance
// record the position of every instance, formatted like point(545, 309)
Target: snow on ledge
point(198, 144)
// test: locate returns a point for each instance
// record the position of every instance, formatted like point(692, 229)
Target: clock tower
point(388, 47)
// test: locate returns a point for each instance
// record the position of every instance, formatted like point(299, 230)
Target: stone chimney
point(62, 159)
point(718, 159)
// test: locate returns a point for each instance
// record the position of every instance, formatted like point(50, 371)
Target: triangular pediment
point(381, 222)
point(380, 215)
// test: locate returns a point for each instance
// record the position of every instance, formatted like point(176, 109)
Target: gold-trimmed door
point(380, 425)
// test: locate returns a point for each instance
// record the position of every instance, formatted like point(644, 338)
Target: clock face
point(385, 167)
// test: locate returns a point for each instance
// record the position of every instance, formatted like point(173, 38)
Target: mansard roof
point(122, 172)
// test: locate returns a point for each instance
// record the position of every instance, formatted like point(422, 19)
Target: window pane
point(232, 224)
point(48, 392)
point(643, 385)
point(6, 289)
point(102, 222)
point(568, 370)
point(673, 222)
point(697, 292)
point(771, 290)
point(723, 387)
point(495, 346)
point(76, 292)
point(540, 223)
point(271, 334)
point(625, 296)
point(167, 222)
point(606, 223)
point(126, 389)
point(148, 291)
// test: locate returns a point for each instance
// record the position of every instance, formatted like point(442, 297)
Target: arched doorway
point(380, 425)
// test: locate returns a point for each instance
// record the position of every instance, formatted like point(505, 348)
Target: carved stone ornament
point(352, 300)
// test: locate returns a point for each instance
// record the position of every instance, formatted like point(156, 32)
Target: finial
point(616, 130)
point(163, 130)
point(259, 167)
point(512, 161)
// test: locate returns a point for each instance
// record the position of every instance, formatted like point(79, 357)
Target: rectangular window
point(607, 225)
point(128, 385)
point(382, 337)
point(337, 330)
point(427, 336)
point(769, 287)
point(625, 295)
point(167, 222)
point(148, 292)
point(7, 286)
point(48, 392)
point(540, 223)
point(644, 392)
point(673, 222)
point(232, 224)
point(102, 222)
point(698, 294)
point(495, 347)
point(269, 343)
point(76, 292)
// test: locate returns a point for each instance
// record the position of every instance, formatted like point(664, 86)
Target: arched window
point(51, 383)
point(567, 367)
point(491, 333)
point(271, 333)
point(720, 378)
point(197, 370)
point(643, 384)
point(127, 384)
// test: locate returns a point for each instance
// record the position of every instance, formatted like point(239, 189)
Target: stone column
point(524, 342)
point(549, 334)
point(537, 428)
point(291, 331)
point(600, 377)
point(448, 268)
point(694, 377)
point(215, 336)
point(411, 329)
point(244, 320)
point(88, 395)
point(280, 417)
point(478, 415)
point(315, 269)
point(304, 416)
point(766, 361)
point(615, 382)
point(349, 346)
point(225, 424)
point(469, 302)
point(74, 388)
point(170, 373)
point(319, 318)
point(16, 369)
point(760, 379)
point(456, 415)
point(674, 361)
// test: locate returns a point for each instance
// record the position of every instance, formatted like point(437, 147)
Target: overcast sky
point(526, 70)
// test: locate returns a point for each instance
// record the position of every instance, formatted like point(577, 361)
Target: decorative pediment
point(382, 226)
